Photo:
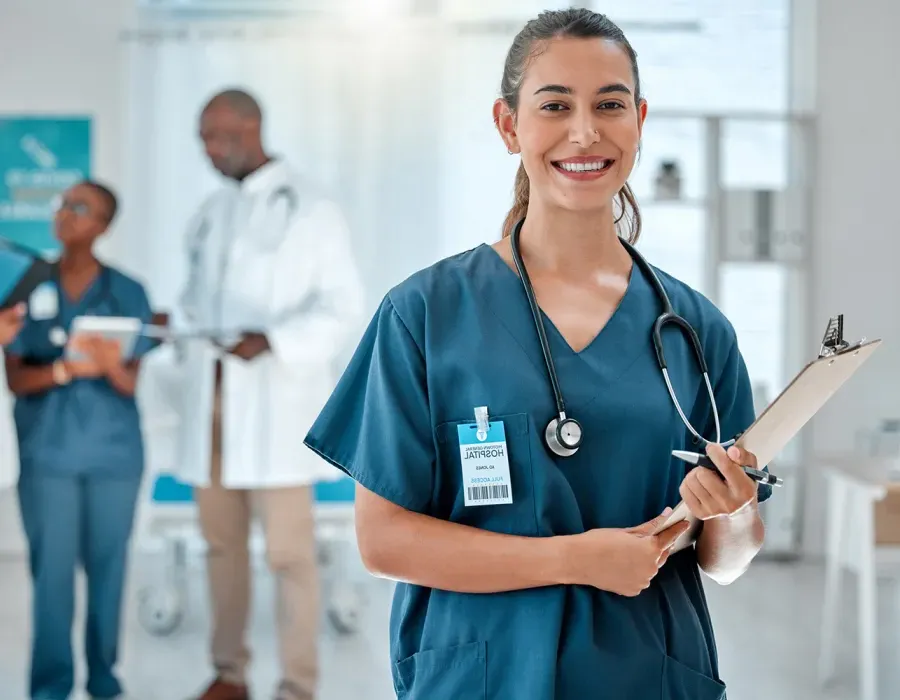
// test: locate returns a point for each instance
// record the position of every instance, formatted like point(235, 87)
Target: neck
point(572, 242)
point(255, 163)
point(78, 260)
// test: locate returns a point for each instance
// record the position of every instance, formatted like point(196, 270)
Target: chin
point(587, 202)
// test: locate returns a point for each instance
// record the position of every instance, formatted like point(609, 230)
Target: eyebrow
point(563, 90)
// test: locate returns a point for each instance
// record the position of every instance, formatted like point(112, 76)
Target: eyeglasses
point(77, 208)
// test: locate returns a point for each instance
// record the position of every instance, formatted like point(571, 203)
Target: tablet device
point(123, 329)
point(782, 419)
point(21, 272)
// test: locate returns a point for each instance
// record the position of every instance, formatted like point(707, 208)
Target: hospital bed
point(168, 519)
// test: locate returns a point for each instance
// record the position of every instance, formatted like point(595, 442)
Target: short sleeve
point(139, 307)
point(734, 399)
point(376, 426)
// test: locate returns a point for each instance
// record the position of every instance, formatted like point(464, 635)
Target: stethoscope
point(564, 435)
point(284, 192)
point(57, 334)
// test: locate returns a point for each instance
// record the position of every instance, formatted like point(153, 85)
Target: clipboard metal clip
point(833, 342)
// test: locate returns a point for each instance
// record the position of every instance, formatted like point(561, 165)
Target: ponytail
point(630, 229)
point(520, 201)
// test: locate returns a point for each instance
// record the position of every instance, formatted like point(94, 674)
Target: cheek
point(628, 141)
point(538, 136)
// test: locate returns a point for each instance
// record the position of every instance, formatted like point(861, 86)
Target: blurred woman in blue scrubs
point(527, 571)
point(81, 449)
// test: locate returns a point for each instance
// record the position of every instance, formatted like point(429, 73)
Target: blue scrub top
point(86, 427)
point(459, 335)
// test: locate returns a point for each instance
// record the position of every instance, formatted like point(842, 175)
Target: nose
point(583, 129)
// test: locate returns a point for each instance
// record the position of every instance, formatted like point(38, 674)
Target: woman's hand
point(707, 495)
point(623, 561)
point(103, 356)
point(11, 323)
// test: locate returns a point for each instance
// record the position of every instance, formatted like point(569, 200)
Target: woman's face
point(577, 125)
point(82, 216)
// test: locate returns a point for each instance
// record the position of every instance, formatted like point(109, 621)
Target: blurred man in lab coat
point(271, 267)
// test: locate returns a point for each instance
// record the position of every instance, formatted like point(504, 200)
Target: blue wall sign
point(40, 157)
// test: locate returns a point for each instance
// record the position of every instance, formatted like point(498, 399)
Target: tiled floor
point(767, 625)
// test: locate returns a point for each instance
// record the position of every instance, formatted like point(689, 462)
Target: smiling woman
point(524, 551)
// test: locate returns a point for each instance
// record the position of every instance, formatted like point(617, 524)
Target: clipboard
point(792, 409)
point(22, 270)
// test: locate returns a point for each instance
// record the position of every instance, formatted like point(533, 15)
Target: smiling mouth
point(584, 169)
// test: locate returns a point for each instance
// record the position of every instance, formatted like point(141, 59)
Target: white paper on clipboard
point(782, 419)
point(123, 329)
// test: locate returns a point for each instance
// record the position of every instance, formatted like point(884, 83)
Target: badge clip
point(482, 423)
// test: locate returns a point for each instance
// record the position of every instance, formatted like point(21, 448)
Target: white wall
point(856, 245)
point(65, 58)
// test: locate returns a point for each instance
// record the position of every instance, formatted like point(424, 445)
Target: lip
point(583, 175)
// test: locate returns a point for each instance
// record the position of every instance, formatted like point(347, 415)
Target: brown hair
point(577, 23)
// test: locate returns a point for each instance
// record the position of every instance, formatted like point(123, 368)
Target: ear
point(506, 125)
point(642, 116)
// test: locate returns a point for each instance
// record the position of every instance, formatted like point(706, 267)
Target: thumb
point(667, 537)
point(649, 527)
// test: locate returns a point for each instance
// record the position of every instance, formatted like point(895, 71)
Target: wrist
point(566, 559)
point(60, 372)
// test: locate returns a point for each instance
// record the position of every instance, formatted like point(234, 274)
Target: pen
point(702, 460)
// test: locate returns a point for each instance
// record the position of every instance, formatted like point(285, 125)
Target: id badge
point(485, 464)
point(43, 304)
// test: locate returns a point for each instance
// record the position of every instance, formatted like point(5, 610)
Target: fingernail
point(734, 452)
point(667, 510)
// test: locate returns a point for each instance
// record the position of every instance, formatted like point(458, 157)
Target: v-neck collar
point(613, 350)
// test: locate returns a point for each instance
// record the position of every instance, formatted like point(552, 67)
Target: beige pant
point(287, 519)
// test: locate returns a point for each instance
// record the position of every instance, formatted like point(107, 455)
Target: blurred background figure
point(81, 448)
point(272, 278)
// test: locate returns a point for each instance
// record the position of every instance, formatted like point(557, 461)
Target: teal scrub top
point(460, 334)
point(86, 427)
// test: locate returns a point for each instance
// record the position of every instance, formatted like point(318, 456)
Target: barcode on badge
point(488, 493)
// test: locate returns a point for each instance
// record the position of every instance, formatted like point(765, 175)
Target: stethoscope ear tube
point(538, 321)
point(672, 317)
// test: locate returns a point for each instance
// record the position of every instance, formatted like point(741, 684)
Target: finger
point(729, 469)
point(694, 504)
point(650, 526)
point(742, 456)
point(667, 537)
point(663, 558)
point(716, 492)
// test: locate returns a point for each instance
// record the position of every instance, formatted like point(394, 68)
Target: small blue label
point(468, 433)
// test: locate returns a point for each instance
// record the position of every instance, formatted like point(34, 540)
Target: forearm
point(434, 553)
point(24, 379)
point(727, 545)
point(123, 378)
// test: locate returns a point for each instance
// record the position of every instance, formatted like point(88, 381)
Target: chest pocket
point(516, 518)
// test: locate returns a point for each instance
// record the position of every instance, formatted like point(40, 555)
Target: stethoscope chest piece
point(58, 336)
point(563, 436)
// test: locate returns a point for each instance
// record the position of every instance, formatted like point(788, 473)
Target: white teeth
point(584, 167)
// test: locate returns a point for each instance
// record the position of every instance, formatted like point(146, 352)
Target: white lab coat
point(286, 269)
